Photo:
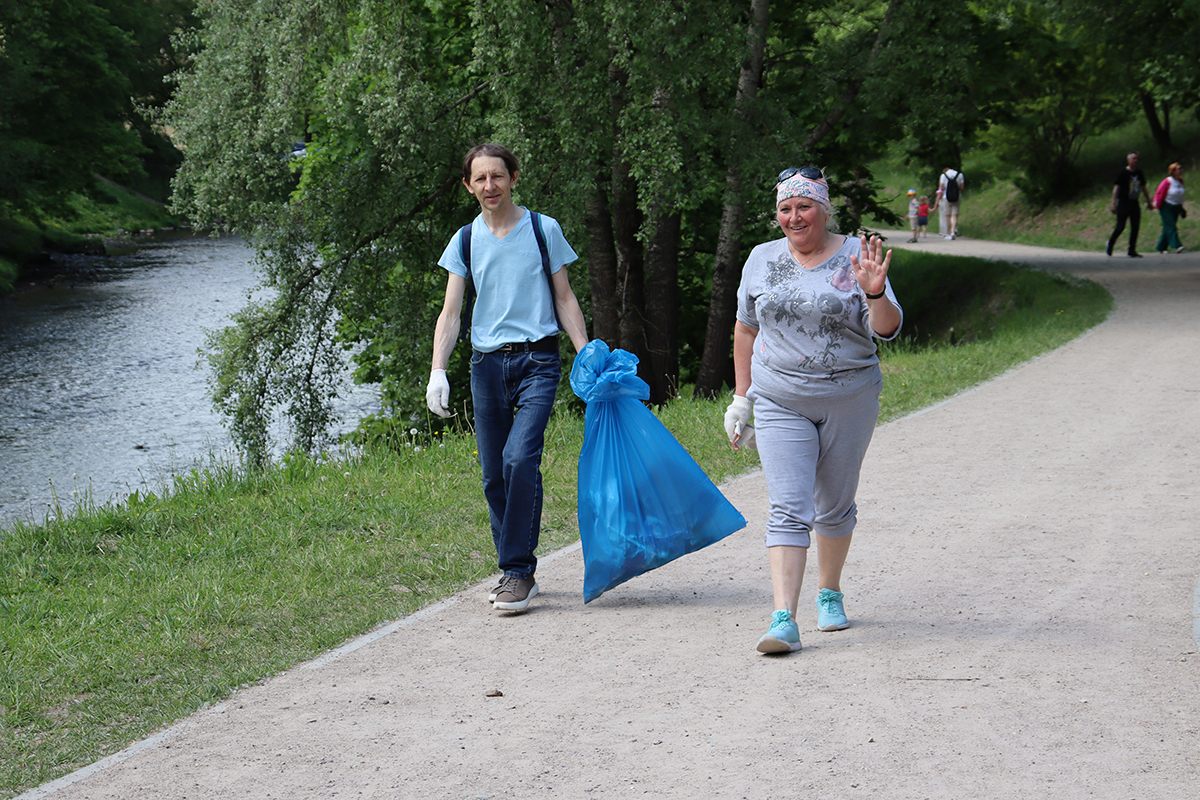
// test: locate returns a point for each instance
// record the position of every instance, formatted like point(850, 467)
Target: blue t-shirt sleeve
point(451, 259)
point(559, 250)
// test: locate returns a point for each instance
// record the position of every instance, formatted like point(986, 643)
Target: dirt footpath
point(1022, 589)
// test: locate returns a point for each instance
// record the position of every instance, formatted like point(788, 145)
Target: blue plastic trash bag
point(643, 501)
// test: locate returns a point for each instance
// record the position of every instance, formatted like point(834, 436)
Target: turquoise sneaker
point(784, 635)
point(830, 614)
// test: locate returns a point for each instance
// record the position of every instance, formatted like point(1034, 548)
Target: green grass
point(8, 275)
point(1001, 317)
point(112, 210)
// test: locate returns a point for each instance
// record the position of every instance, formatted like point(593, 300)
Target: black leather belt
point(547, 345)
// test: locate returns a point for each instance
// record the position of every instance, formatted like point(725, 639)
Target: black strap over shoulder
point(464, 242)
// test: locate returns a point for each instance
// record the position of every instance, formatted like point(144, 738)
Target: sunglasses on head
point(812, 173)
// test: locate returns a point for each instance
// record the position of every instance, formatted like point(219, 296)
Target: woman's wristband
point(873, 296)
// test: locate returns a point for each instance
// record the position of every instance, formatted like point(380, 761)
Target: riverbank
point(70, 262)
point(111, 217)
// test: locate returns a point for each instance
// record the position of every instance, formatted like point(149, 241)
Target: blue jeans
point(513, 395)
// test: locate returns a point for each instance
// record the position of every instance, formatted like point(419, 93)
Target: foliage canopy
point(651, 130)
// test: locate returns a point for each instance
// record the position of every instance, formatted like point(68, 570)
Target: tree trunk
point(1160, 132)
point(716, 362)
point(662, 308)
point(631, 272)
point(626, 222)
point(602, 267)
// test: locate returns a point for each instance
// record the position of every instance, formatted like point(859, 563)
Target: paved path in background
point(1022, 588)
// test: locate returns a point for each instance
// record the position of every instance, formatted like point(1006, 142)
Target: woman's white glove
point(437, 396)
point(737, 417)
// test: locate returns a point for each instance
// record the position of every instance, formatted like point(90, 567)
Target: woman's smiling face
point(803, 222)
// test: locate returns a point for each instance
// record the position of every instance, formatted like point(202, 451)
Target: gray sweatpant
point(811, 453)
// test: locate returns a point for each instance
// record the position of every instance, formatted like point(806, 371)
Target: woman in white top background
point(1169, 202)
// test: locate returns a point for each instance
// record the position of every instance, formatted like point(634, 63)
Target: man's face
point(491, 183)
point(1132, 160)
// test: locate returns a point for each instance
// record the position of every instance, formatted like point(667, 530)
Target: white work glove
point(437, 396)
point(737, 418)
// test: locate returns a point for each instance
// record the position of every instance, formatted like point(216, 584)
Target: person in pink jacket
point(1168, 199)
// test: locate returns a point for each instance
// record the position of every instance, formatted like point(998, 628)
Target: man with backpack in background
point(514, 260)
point(951, 185)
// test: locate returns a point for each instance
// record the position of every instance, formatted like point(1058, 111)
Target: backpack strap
point(536, 219)
point(464, 243)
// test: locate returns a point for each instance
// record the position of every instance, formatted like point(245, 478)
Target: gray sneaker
point(514, 594)
point(495, 590)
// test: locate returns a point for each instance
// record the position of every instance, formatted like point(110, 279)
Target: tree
point(716, 364)
point(1065, 87)
point(1151, 47)
point(152, 56)
point(628, 119)
point(64, 100)
point(345, 235)
point(801, 94)
point(654, 109)
point(628, 108)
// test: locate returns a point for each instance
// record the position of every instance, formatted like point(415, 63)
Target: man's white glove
point(737, 418)
point(437, 396)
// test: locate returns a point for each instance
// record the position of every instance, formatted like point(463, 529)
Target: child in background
point(913, 207)
point(922, 215)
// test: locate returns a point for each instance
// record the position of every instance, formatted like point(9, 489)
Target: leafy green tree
point(817, 85)
point(947, 66)
point(652, 130)
point(64, 100)
point(666, 122)
point(346, 235)
point(153, 28)
point(1151, 47)
point(1064, 88)
point(629, 114)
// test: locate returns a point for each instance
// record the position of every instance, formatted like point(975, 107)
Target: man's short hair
point(493, 150)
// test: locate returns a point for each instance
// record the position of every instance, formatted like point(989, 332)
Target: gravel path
point(1022, 588)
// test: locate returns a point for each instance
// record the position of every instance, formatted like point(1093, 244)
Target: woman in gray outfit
point(809, 308)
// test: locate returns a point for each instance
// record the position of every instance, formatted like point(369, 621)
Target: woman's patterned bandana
point(799, 186)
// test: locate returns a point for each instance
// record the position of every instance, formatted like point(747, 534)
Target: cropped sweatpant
point(812, 453)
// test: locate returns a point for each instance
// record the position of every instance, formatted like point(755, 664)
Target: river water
point(102, 390)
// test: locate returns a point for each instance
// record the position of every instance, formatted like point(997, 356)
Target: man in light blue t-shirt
point(515, 367)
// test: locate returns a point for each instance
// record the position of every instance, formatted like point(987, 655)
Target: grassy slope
point(992, 207)
point(108, 211)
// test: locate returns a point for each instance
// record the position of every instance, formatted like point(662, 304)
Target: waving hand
point(871, 268)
